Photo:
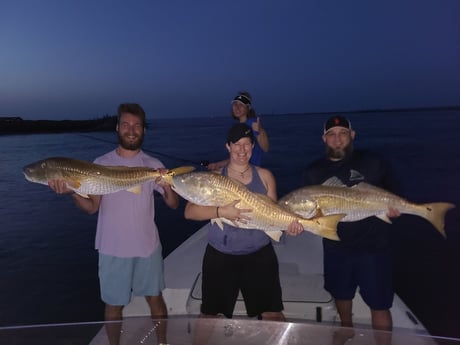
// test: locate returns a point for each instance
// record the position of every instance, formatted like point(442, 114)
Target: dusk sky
point(67, 59)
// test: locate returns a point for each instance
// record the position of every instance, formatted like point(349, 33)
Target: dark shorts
point(345, 271)
point(255, 274)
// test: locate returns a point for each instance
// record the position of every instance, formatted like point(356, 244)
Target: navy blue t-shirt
point(257, 152)
point(361, 166)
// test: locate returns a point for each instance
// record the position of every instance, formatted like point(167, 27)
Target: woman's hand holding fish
point(295, 228)
point(233, 213)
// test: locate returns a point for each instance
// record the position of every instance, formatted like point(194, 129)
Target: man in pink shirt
point(130, 253)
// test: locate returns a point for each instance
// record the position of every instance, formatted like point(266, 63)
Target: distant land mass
point(380, 110)
point(17, 125)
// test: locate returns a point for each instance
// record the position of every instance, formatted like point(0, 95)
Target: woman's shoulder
point(263, 172)
point(217, 171)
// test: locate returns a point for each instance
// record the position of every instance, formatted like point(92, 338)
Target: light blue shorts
point(119, 277)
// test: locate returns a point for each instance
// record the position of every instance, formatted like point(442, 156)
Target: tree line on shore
point(16, 125)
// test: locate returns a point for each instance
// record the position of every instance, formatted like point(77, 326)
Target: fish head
point(41, 171)
point(299, 204)
point(195, 187)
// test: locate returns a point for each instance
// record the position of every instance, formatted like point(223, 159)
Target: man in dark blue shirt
point(362, 256)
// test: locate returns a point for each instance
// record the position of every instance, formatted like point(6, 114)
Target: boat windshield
point(193, 330)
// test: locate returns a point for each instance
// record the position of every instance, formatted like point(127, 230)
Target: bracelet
point(217, 212)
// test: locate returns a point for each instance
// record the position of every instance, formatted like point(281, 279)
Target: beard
point(339, 154)
point(129, 145)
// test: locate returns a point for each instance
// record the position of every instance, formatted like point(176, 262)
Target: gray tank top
point(237, 241)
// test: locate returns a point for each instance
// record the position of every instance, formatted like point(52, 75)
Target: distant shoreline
point(16, 125)
point(375, 110)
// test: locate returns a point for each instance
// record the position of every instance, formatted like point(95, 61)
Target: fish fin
point(334, 181)
point(328, 227)
point(436, 213)
point(82, 195)
point(364, 185)
point(73, 184)
point(169, 178)
point(329, 234)
point(136, 189)
point(385, 218)
point(274, 235)
point(319, 213)
point(315, 213)
point(219, 223)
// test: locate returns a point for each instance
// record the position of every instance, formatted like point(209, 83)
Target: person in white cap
point(243, 111)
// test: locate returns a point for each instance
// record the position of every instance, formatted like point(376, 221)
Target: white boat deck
point(301, 267)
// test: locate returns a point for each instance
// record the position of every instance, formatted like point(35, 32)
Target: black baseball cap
point(336, 121)
point(238, 131)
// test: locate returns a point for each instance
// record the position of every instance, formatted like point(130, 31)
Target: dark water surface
point(48, 267)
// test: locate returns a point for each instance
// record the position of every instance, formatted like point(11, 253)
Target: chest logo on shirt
point(356, 175)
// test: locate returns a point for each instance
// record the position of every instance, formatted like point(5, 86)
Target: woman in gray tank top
point(235, 259)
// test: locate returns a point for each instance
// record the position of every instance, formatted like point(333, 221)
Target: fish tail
point(168, 178)
point(436, 213)
point(327, 226)
point(177, 171)
point(181, 170)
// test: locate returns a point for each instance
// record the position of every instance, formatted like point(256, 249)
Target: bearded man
point(130, 252)
point(362, 256)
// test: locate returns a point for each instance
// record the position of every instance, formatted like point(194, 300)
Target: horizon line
point(356, 111)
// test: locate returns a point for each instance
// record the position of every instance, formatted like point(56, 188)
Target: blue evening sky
point(63, 59)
